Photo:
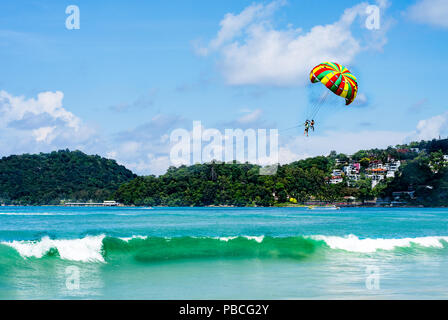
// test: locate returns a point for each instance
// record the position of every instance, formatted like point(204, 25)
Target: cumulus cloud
point(252, 52)
point(38, 124)
point(47, 103)
point(344, 142)
point(432, 12)
point(431, 128)
point(233, 25)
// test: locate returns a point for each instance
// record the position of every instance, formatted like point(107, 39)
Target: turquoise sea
point(223, 253)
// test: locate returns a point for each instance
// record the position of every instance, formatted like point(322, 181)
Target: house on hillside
point(375, 164)
point(352, 169)
point(393, 165)
point(339, 161)
point(337, 173)
point(390, 174)
point(376, 178)
point(336, 179)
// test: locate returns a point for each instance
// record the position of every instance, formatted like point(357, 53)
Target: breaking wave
point(103, 249)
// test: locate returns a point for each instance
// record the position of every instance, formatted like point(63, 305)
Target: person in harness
point(312, 125)
point(307, 127)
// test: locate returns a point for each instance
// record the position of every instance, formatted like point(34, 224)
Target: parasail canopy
point(337, 78)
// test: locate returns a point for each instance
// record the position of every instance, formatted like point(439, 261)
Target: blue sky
point(136, 70)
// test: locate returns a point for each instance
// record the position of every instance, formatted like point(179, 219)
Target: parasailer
point(338, 79)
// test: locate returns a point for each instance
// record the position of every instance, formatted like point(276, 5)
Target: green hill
point(47, 178)
point(232, 184)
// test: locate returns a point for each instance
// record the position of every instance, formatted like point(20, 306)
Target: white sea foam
point(28, 214)
point(127, 239)
point(226, 239)
point(354, 244)
point(87, 249)
point(259, 239)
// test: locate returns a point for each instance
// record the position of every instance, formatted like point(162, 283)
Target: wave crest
point(352, 243)
point(102, 248)
point(87, 249)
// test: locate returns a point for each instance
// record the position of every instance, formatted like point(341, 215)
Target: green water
point(223, 253)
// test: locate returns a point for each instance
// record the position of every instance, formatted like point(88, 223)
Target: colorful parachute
point(337, 78)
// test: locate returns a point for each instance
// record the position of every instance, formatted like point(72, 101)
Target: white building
point(110, 203)
point(390, 174)
point(394, 166)
point(376, 165)
point(337, 173)
point(351, 169)
point(376, 178)
point(336, 179)
point(354, 177)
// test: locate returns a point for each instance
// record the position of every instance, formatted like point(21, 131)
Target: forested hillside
point(423, 171)
point(47, 178)
point(230, 184)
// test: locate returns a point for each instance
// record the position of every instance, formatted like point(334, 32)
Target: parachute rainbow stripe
point(337, 78)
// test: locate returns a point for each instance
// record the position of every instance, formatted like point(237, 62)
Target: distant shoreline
point(230, 206)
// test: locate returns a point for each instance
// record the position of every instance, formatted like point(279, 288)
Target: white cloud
point(286, 155)
point(130, 148)
point(343, 142)
point(432, 12)
point(250, 117)
point(252, 51)
point(39, 124)
point(42, 134)
point(431, 128)
point(232, 25)
point(50, 103)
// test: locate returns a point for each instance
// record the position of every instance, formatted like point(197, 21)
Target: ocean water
point(223, 253)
